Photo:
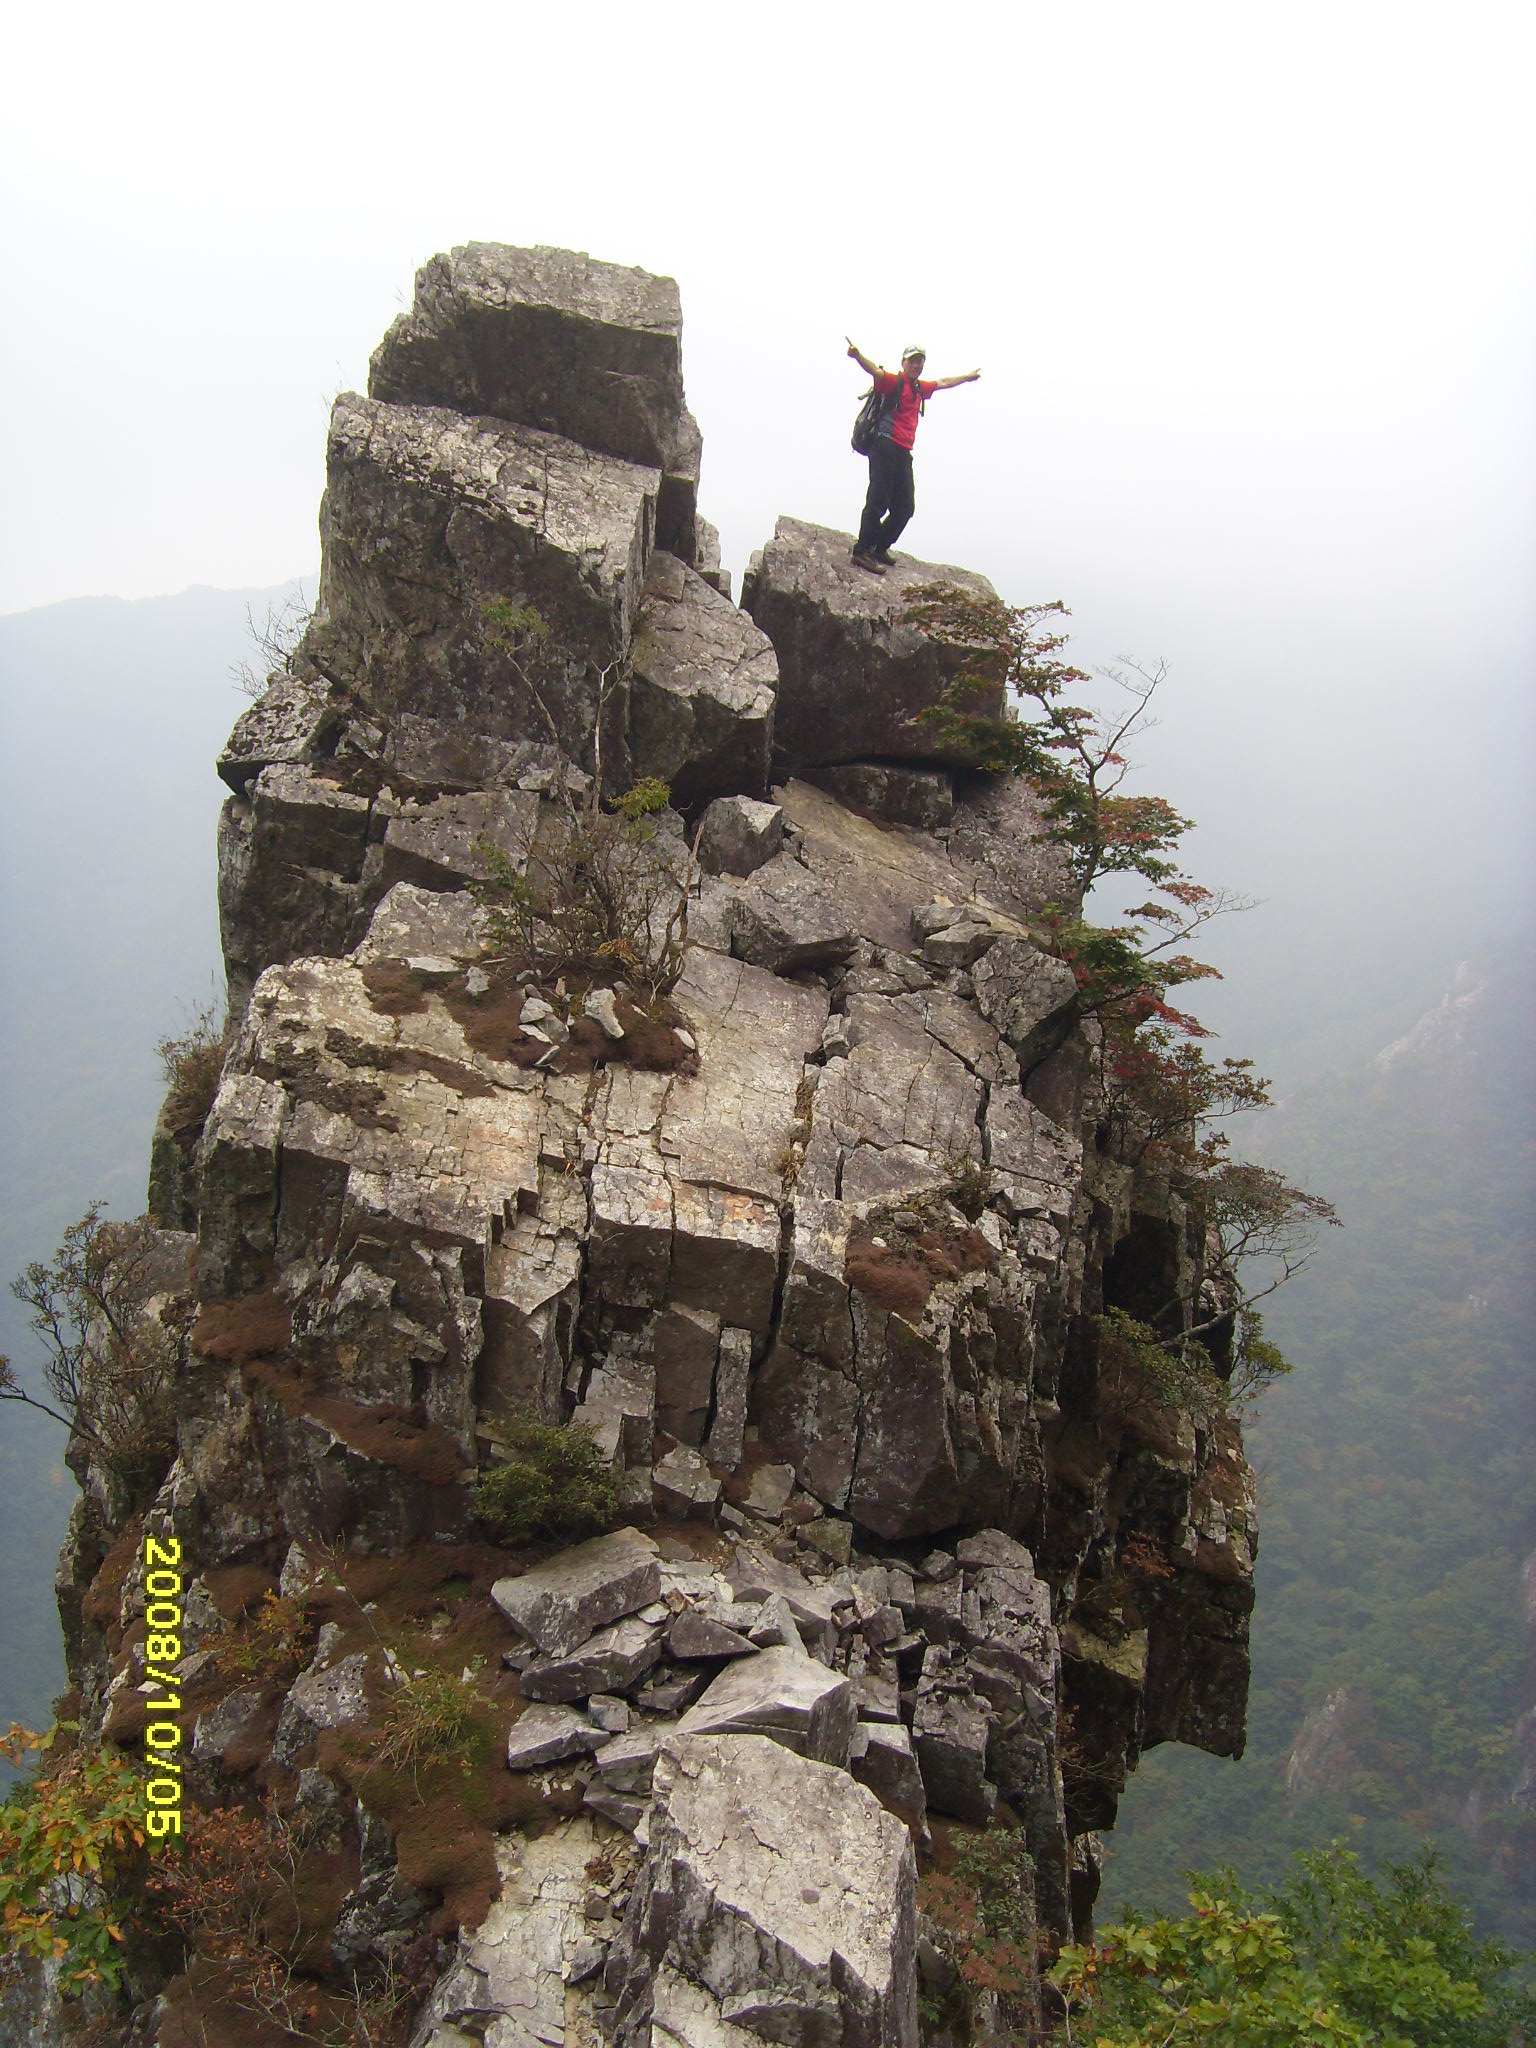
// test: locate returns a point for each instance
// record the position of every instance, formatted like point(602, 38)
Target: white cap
point(914, 349)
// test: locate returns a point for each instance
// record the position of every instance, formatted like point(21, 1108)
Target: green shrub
point(1331, 1959)
point(1136, 1366)
point(554, 1484)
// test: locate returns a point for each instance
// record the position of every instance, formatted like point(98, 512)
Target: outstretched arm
point(949, 383)
point(870, 369)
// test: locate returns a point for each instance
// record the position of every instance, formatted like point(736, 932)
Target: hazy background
point(1253, 293)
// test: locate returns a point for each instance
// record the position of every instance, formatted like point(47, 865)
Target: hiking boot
point(885, 555)
point(866, 562)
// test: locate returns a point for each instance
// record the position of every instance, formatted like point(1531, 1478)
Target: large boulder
point(852, 675)
point(550, 338)
point(437, 530)
point(780, 1893)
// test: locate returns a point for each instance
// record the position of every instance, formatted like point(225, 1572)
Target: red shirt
point(902, 428)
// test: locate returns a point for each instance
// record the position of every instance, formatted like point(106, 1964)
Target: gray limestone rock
point(548, 1734)
point(783, 1693)
point(683, 1484)
point(739, 834)
point(797, 1950)
point(695, 1636)
point(949, 1733)
point(753, 1575)
point(706, 556)
point(298, 871)
point(442, 843)
point(882, 1757)
point(702, 689)
point(231, 1721)
point(379, 1913)
point(412, 922)
point(331, 1697)
point(785, 920)
point(852, 675)
point(598, 1004)
point(562, 1602)
point(733, 1366)
point(295, 720)
point(551, 338)
point(613, 1660)
point(1031, 998)
point(437, 529)
point(511, 1982)
point(956, 934)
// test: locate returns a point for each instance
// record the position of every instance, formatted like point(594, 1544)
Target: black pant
point(891, 498)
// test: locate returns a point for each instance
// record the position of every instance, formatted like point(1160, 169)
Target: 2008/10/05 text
point(162, 1653)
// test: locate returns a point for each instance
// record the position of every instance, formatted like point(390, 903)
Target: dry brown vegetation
point(897, 1266)
point(251, 1326)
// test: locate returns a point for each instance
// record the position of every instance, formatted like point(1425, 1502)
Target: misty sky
point(1253, 292)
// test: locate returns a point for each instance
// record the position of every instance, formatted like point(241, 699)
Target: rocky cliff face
point(791, 1190)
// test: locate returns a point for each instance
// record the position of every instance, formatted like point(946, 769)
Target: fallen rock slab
point(560, 1603)
point(546, 1735)
point(694, 1637)
point(783, 1693)
point(611, 1661)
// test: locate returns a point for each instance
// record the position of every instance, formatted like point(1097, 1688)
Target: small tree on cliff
point(1163, 1095)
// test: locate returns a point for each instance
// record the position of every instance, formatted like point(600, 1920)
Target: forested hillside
point(1394, 1676)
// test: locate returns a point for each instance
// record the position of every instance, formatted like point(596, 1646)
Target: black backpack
point(866, 428)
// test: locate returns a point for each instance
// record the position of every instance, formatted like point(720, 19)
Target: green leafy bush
point(554, 1484)
point(1331, 1960)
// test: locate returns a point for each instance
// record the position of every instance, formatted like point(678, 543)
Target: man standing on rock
point(891, 497)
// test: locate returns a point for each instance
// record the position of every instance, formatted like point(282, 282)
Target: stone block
point(783, 1693)
point(613, 1660)
point(853, 675)
point(802, 1950)
point(436, 527)
point(739, 834)
point(560, 1603)
point(552, 339)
